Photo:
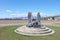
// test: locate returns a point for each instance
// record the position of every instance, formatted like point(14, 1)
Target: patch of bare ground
point(51, 22)
point(24, 22)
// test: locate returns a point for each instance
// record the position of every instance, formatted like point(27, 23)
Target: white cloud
point(44, 14)
point(26, 14)
point(9, 11)
point(41, 13)
point(18, 15)
point(2, 16)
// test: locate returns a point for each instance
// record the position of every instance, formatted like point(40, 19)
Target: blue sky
point(20, 8)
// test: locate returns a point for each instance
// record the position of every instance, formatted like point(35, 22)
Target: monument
point(34, 27)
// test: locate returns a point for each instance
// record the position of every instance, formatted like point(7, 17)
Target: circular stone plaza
point(34, 27)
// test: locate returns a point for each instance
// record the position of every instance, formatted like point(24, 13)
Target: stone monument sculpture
point(34, 27)
point(33, 22)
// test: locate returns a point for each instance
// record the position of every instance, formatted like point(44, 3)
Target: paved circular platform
point(34, 31)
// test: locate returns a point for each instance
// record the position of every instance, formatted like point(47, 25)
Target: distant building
point(57, 17)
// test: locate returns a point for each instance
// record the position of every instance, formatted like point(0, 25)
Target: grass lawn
point(7, 33)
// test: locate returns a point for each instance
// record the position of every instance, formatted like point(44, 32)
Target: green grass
point(7, 33)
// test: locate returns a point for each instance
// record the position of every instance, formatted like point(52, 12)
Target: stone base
point(34, 31)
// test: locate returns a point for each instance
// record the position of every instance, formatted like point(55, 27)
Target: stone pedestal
point(34, 31)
